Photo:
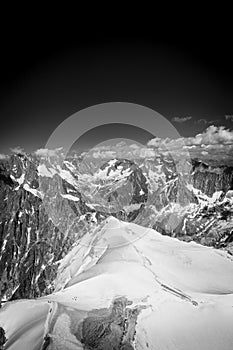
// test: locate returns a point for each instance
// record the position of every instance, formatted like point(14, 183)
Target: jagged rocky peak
point(124, 169)
point(30, 242)
point(210, 178)
point(20, 169)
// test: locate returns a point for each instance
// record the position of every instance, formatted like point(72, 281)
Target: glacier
point(124, 286)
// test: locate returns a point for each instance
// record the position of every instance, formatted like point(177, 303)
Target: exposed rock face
point(198, 207)
point(110, 329)
point(136, 177)
point(30, 243)
point(131, 192)
point(2, 338)
point(210, 179)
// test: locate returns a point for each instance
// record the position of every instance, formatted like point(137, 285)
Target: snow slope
point(123, 286)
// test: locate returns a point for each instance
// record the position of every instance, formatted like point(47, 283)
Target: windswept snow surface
point(173, 295)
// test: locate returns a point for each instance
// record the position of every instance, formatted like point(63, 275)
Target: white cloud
point(17, 150)
point(45, 152)
point(134, 146)
point(229, 117)
point(121, 144)
point(202, 120)
point(158, 142)
point(212, 136)
point(102, 147)
point(3, 156)
point(143, 152)
point(167, 144)
point(181, 119)
point(132, 151)
point(218, 141)
point(104, 154)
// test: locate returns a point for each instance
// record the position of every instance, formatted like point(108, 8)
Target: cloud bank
point(229, 117)
point(214, 144)
point(121, 150)
point(212, 136)
point(17, 150)
point(3, 156)
point(181, 119)
point(45, 152)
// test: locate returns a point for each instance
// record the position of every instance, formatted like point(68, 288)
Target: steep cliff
point(29, 242)
point(210, 179)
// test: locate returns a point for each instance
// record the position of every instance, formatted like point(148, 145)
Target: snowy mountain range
point(47, 206)
point(69, 228)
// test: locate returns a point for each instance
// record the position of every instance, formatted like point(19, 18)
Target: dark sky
point(47, 76)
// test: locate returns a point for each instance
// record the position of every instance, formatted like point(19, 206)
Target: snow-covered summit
point(123, 286)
